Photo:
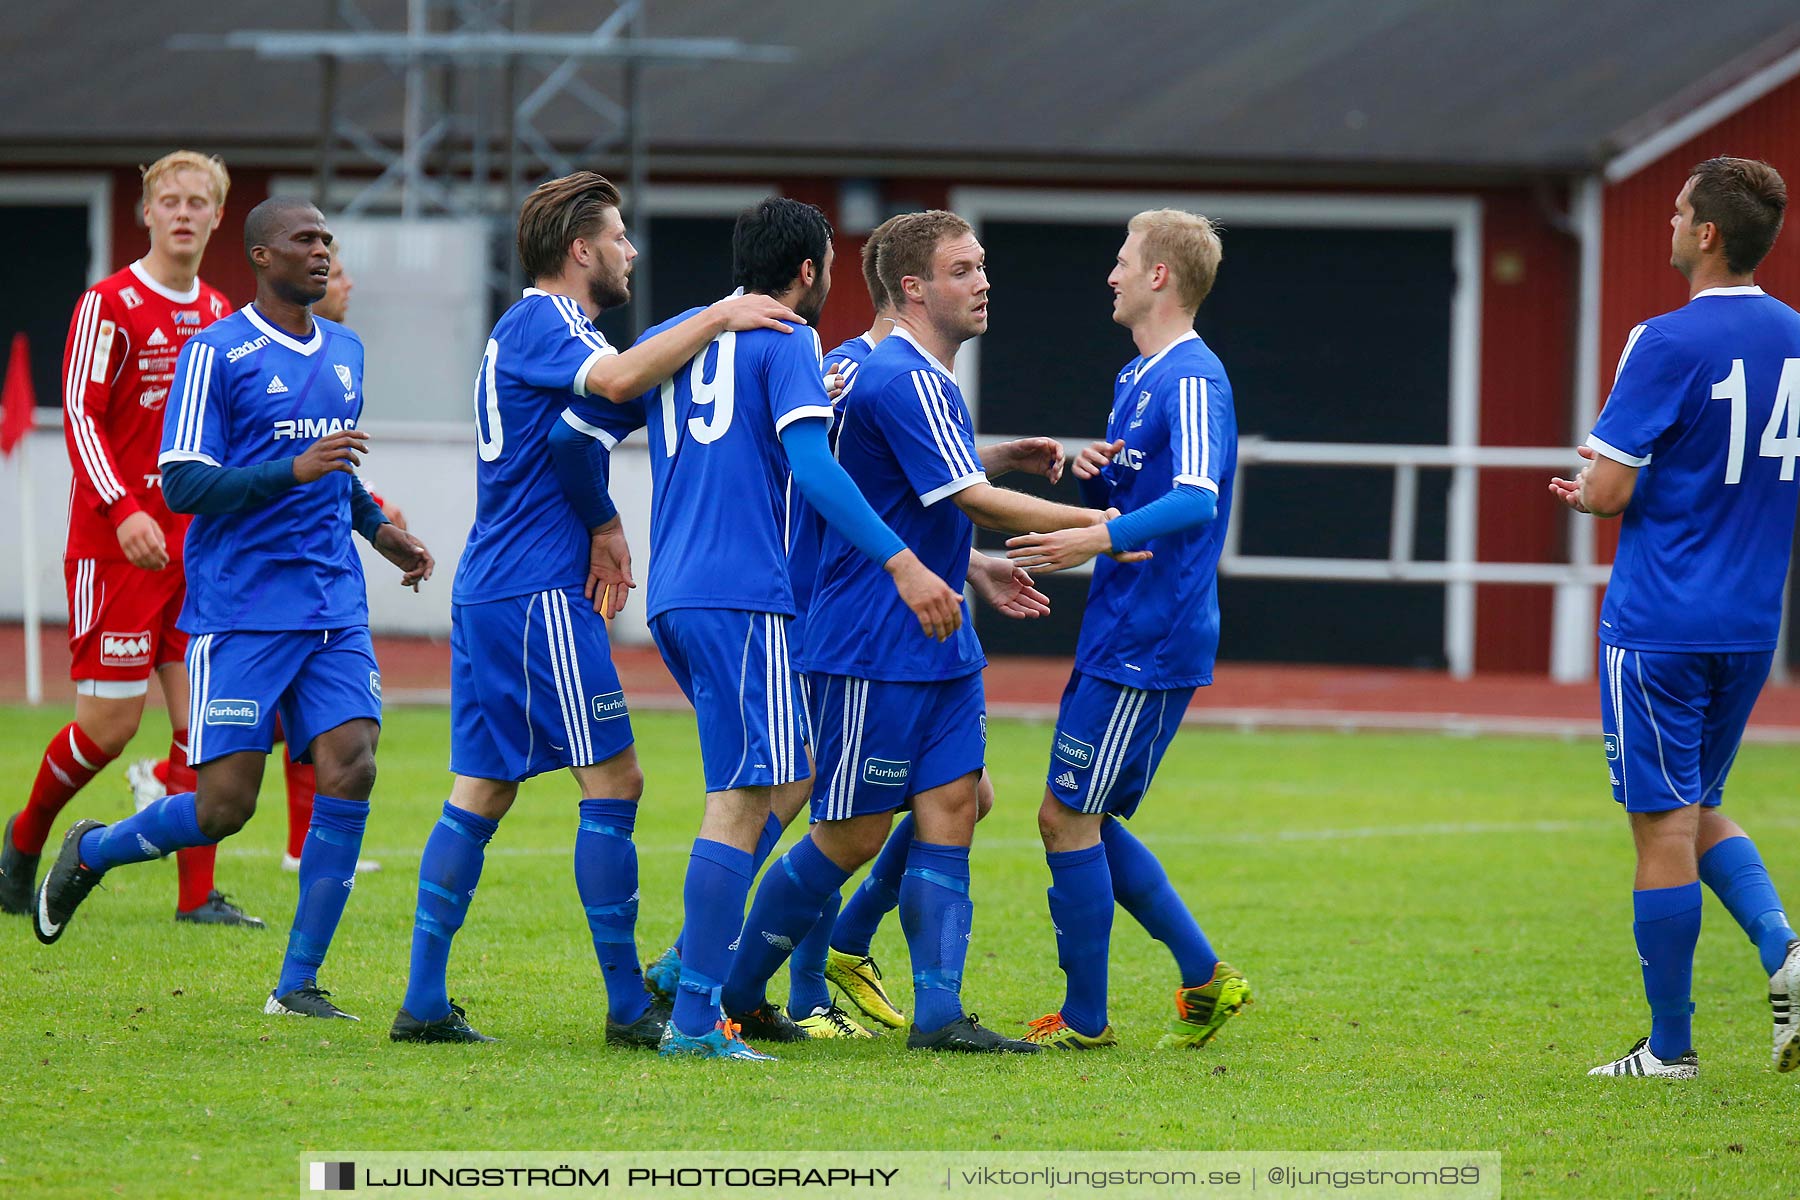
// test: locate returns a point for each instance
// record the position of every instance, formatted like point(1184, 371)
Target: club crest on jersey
point(125, 649)
point(886, 772)
point(343, 374)
point(311, 428)
point(189, 316)
point(1073, 751)
point(130, 296)
point(232, 712)
point(606, 707)
point(249, 347)
point(1137, 417)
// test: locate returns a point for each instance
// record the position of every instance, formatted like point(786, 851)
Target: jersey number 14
point(1780, 437)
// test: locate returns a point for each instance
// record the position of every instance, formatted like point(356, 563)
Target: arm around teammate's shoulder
point(623, 377)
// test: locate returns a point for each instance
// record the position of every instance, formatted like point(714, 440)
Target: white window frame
point(1460, 215)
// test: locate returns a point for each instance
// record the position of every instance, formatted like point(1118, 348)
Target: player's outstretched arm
point(1005, 587)
point(624, 376)
point(1033, 455)
point(1007, 511)
point(1123, 537)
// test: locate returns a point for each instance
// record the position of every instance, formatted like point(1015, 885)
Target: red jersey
point(117, 367)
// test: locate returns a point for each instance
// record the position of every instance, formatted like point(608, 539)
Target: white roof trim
point(1727, 103)
point(167, 293)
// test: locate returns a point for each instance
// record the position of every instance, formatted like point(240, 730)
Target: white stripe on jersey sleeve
point(191, 423)
point(957, 447)
point(594, 431)
point(1631, 341)
point(88, 331)
point(1196, 443)
point(1616, 454)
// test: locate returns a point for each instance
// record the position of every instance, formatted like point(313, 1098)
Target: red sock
point(195, 864)
point(301, 784)
point(70, 760)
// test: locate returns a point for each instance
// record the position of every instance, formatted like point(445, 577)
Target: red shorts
point(122, 618)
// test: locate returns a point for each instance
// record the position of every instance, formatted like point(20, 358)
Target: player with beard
point(533, 687)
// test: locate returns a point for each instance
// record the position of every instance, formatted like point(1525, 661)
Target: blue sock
point(448, 872)
point(877, 896)
point(1142, 886)
point(765, 843)
point(165, 826)
point(807, 989)
point(1735, 872)
point(718, 882)
point(788, 903)
point(937, 915)
point(1667, 928)
point(606, 875)
point(1081, 909)
point(327, 873)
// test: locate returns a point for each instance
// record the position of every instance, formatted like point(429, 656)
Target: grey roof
point(1505, 85)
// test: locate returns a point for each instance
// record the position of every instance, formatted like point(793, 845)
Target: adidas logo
point(156, 338)
point(148, 847)
point(1067, 780)
point(779, 942)
point(276, 387)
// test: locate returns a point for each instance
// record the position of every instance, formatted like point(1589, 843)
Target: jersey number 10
point(1777, 441)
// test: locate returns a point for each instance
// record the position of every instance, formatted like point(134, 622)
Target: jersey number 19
point(717, 393)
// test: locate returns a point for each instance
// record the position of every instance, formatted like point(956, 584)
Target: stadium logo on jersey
point(276, 387)
point(609, 706)
point(310, 428)
point(1073, 751)
point(153, 397)
point(1067, 781)
point(130, 296)
point(333, 1176)
point(1612, 747)
point(375, 684)
point(232, 712)
point(250, 347)
point(188, 316)
point(125, 649)
point(157, 337)
point(886, 772)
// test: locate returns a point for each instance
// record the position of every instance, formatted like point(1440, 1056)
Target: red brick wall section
point(224, 265)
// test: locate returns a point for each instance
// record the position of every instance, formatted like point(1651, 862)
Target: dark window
point(54, 256)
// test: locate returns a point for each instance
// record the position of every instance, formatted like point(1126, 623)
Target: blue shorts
point(241, 681)
point(532, 687)
point(879, 744)
point(733, 667)
point(1672, 722)
point(1109, 741)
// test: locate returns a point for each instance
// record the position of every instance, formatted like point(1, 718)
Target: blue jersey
point(718, 473)
point(246, 393)
point(1155, 625)
point(806, 527)
point(1707, 403)
point(907, 440)
point(526, 537)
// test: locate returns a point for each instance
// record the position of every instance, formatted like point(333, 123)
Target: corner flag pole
point(28, 573)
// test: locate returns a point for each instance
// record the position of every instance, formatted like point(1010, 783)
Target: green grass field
point(1438, 931)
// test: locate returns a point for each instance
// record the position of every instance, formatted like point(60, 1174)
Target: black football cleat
point(18, 875)
point(968, 1035)
point(219, 910)
point(307, 1000)
point(65, 886)
point(453, 1027)
point(646, 1032)
point(768, 1023)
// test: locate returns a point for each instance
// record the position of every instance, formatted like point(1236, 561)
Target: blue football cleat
point(663, 976)
point(722, 1042)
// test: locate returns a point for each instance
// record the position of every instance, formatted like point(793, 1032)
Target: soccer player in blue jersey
point(276, 604)
point(725, 433)
point(533, 687)
point(1695, 451)
point(1148, 636)
point(898, 720)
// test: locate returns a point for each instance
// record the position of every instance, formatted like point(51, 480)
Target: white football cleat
point(1784, 991)
point(146, 788)
point(1641, 1062)
point(364, 866)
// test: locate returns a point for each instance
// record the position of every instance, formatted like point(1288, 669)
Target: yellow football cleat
point(860, 980)
point(1052, 1031)
point(832, 1022)
point(1201, 1011)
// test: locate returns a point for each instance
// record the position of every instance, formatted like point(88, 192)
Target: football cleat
point(1201, 1011)
point(364, 866)
point(645, 1033)
point(1639, 1061)
point(968, 1035)
point(307, 1000)
point(1052, 1031)
point(219, 910)
point(452, 1027)
point(722, 1042)
point(18, 874)
point(860, 980)
point(1784, 1000)
point(830, 1021)
point(768, 1023)
point(663, 976)
point(146, 788)
point(65, 886)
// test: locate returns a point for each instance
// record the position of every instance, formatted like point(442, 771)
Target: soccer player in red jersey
point(123, 559)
